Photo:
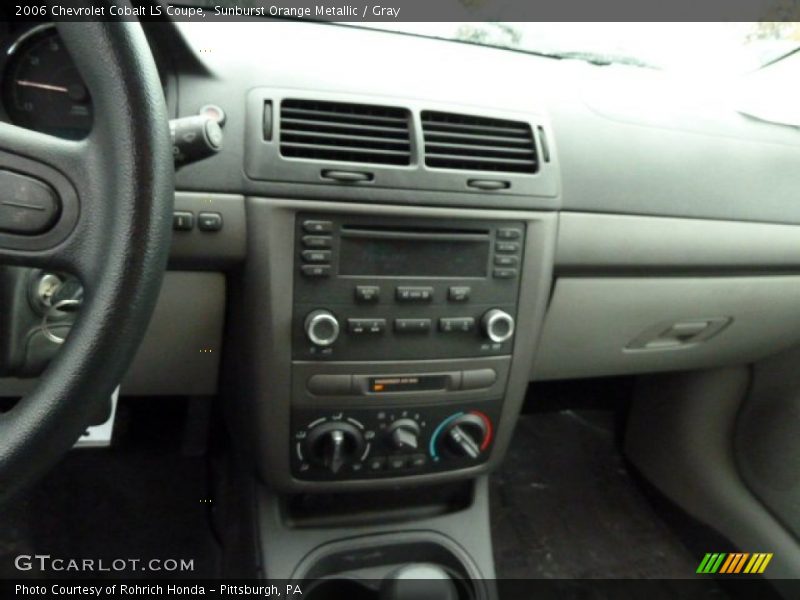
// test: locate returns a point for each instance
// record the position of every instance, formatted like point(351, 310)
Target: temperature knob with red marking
point(464, 435)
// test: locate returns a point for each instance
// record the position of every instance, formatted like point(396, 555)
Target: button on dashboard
point(397, 462)
point(312, 226)
point(504, 273)
point(506, 247)
point(359, 326)
point(317, 256)
point(209, 221)
point(412, 325)
point(316, 241)
point(456, 324)
point(458, 293)
point(330, 385)
point(376, 463)
point(367, 293)
point(414, 294)
point(316, 270)
point(182, 220)
point(508, 234)
point(504, 260)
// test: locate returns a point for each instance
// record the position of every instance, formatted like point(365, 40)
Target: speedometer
point(42, 88)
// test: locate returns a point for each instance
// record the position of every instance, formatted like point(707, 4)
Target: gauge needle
point(42, 86)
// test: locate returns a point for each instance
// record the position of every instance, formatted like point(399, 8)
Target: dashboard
point(398, 249)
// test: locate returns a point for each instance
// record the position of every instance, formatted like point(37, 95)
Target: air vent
point(358, 133)
point(465, 142)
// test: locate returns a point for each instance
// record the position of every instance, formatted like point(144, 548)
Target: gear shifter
point(419, 581)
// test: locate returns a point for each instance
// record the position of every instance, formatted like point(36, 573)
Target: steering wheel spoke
point(42, 185)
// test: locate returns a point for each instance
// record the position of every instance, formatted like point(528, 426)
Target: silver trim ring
point(319, 318)
point(51, 312)
point(494, 318)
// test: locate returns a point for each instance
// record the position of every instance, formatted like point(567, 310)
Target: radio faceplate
point(376, 288)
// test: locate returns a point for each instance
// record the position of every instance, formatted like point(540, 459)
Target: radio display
point(397, 257)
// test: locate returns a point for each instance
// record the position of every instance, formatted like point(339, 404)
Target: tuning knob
point(467, 435)
point(333, 445)
point(497, 325)
point(404, 434)
point(322, 328)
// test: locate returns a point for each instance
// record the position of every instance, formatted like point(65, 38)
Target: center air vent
point(359, 133)
point(454, 141)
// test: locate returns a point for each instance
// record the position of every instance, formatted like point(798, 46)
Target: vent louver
point(358, 133)
point(454, 141)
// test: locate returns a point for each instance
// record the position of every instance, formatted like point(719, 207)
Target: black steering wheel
point(115, 192)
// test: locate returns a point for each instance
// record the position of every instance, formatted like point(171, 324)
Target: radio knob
point(497, 325)
point(322, 328)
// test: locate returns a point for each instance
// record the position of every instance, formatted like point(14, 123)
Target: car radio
point(394, 289)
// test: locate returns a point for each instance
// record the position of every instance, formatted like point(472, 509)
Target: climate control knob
point(322, 327)
point(333, 445)
point(497, 325)
point(403, 434)
point(465, 435)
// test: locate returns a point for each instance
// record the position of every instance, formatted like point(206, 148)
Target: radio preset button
point(312, 226)
point(412, 325)
point(506, 247)
point(317, 256)
point(367, 293)
point(359, 326)
point(414, 294)
point(456, 324)
point(508, 234)
point(458, 293)
point(316, 270)
point(504, 273)
point(504, 260)
point(316, 241)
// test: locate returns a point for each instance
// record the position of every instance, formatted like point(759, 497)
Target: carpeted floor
point(565, 506)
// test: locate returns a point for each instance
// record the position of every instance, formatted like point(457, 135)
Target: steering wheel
point(115, 191)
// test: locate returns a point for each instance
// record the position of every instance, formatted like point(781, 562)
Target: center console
point(374, 291)
point(386, 352)
point(386, 345)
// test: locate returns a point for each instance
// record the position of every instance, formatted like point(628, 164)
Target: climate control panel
point(365, 443)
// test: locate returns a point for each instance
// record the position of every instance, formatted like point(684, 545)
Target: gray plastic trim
point(591, 241)
point(209, 250)
point(181, 351)
point(283, 548)
point(592, 322)
point(680, 436)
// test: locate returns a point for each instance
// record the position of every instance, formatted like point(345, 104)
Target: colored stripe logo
point(734, 563)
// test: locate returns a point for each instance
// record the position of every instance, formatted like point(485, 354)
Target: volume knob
point(322, 328)
point(497, 325)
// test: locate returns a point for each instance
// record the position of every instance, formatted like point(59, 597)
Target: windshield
point(717, 47)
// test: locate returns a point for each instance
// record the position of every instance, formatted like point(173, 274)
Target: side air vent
point(359, 133)
point(454, 141)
